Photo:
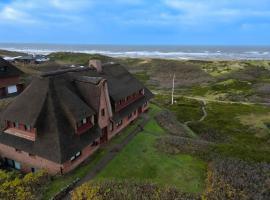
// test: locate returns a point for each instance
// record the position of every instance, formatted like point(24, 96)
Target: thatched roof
point(10, 70)
point(54, 102)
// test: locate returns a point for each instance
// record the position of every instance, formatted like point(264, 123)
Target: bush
point(127, 190)
point(235, 179)
point(15, 186)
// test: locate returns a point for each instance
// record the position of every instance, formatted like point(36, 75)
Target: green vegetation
point(185, 109)
point(16, 186)
point(11, 53)
point(157, 160)
point(128, 190)
point(60, 182)
point(141, 160)
point(76, 58)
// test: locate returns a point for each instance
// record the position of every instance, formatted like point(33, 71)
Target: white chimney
point(96, 64)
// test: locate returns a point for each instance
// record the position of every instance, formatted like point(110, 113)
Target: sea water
point(155, 51)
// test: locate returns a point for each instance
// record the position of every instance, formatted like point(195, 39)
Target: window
point(142, 91)
point(84, 121)
point(78, 154)
point(27, 127)
point(130, 115)
point(17, 165)
point(72, 158)
point(11, 89)
point(16, 124)
point(119, 123)
point(103, 112)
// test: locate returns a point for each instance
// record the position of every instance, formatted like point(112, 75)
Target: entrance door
point(104, 135)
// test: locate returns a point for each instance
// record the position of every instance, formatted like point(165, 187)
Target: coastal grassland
point(234, 139)
point(68, 58)
point(4, 53)
point(230, 126)
point(141, 160)
point(183, 108)
point(59, 182)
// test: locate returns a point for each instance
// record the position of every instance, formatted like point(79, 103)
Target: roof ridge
point(54, 113)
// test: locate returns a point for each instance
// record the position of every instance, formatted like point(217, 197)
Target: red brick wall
point(28, 161)
point(53, 168)
point(104, 121)
point(9, 81)
point(86, 152)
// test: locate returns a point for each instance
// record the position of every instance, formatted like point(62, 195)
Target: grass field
point(60, 182)
point(141, 160)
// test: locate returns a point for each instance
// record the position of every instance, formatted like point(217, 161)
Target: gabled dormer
point(18, 129)
point(84, 124)
point(124, 102)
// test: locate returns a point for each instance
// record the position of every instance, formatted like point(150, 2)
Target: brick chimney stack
point(96, 64)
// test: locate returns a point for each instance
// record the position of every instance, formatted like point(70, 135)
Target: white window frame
point(78, 154)
point(84, 121)
point(17, 165)
point(12, 89)
point(72, 158)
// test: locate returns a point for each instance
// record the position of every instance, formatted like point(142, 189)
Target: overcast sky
point(210, 22)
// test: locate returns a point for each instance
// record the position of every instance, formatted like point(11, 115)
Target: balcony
point(130, 100)
point(21, 133)
point(83, 128)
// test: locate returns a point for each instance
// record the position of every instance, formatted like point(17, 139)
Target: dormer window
point(84, 125)
point(27, 127)
point(20, 130)
point(16, 124)
point(142, 91)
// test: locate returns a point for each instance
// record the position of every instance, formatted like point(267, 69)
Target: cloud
point(31, 11)
point(198, 11)
point(10, 14)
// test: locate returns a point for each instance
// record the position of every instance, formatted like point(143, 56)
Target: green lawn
point(60, 182)
point(140, 160)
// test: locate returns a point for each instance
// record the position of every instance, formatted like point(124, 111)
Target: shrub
point(127, 190)
point(235, 179)
point(16, 186)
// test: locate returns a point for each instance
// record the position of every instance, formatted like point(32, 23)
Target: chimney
point(96, 64)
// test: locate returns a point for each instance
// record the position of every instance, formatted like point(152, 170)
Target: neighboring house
point(63, 116)
point(30, 59)
point(10, 84)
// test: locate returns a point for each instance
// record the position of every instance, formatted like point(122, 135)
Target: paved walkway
point(112, 152)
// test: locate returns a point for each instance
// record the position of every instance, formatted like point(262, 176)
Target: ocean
point(158, 51)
